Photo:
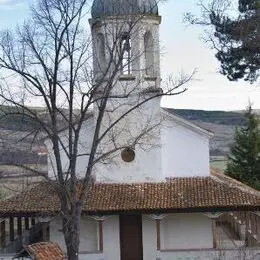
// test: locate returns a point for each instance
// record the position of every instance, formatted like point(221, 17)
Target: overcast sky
point(182, 50)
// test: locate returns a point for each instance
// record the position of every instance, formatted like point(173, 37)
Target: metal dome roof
point(104, 8)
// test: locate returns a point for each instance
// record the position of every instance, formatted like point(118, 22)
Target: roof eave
point(188, 124)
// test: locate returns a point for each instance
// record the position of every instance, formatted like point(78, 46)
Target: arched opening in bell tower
point(101, 51)
point(125, 54)
point(149, 54)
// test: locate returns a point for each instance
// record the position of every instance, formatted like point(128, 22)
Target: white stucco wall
point(244, 254)
point(178, 232)
point(147, 163)
point(88, 234)
point(88, 248)
point(149, 238)
point(86, 134)
point(185, 152)
point(134, 129)
point(111, 236)
point(138, 130)
point(186, 231)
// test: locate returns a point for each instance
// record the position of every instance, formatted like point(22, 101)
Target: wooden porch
point(18, 231)
point(242, 229)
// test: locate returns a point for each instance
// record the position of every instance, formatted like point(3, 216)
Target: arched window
point(101, 51)
point(149, 54)
point(125, 54)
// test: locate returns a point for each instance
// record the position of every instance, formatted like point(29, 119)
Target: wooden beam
point(158, 234)
point(45, 231)
point(258, 227)
point(214, 231)
point(247, 227)
point(11, 228)
point(2, 234)
point(100, 229)
point(33, 221)
point(26, 223)
point(19, 226)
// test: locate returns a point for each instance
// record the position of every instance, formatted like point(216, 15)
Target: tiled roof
point(175, 195)
point(45, 251)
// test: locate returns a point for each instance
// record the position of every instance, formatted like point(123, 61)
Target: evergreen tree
point(244, 157)
point(239, 41)
point(235, 37)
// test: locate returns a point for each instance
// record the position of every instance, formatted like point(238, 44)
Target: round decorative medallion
point(128, 154)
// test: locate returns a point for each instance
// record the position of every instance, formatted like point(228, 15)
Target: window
point(128, 154)
point(149, 54)
point(125, 54)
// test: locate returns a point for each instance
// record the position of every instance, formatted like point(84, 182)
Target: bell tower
point(126, 58)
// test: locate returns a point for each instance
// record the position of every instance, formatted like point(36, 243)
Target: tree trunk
point(71, 224)
point(72, 252)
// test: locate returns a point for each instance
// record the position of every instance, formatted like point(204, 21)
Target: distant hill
point(215, 117)
point(18, 142)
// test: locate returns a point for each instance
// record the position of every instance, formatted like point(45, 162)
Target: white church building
point(156, 198)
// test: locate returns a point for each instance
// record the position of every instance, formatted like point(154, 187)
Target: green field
point(219, 164)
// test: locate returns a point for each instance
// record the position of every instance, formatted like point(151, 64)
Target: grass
point(219, 164)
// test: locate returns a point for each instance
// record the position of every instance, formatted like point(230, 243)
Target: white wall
point(88, 234)
point(89, 238)
point(186, 231)
point(178, 232)
point(147, 163)
point(91, 256)
point(111, 236)
point(185, 153)
point(84, 146)
point(244, 254)
point(149, 238)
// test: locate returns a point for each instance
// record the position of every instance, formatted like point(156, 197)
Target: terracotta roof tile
point(176, 194)
point(45, 251)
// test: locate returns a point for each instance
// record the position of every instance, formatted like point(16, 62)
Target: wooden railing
point(244, 226)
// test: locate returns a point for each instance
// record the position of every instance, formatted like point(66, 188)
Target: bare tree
point(49, 60)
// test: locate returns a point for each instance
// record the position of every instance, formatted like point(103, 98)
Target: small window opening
point(128, 154)
point(125, 51)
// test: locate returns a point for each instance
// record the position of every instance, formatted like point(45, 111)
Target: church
point(155, 197)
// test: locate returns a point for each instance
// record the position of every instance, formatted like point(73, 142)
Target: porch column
point(100, 222)
point(32, 221)
point(257, 214)
point(19, 226)
point(45, 231)
point(214, 216)
point(45, 228)
point(247, 223)
point(158, 219)
point(2, 233)
point(26, 223)
point(11, 228)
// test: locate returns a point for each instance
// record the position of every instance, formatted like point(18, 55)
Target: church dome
point(105, 8)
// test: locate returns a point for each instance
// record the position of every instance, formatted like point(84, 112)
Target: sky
point(182, 51)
